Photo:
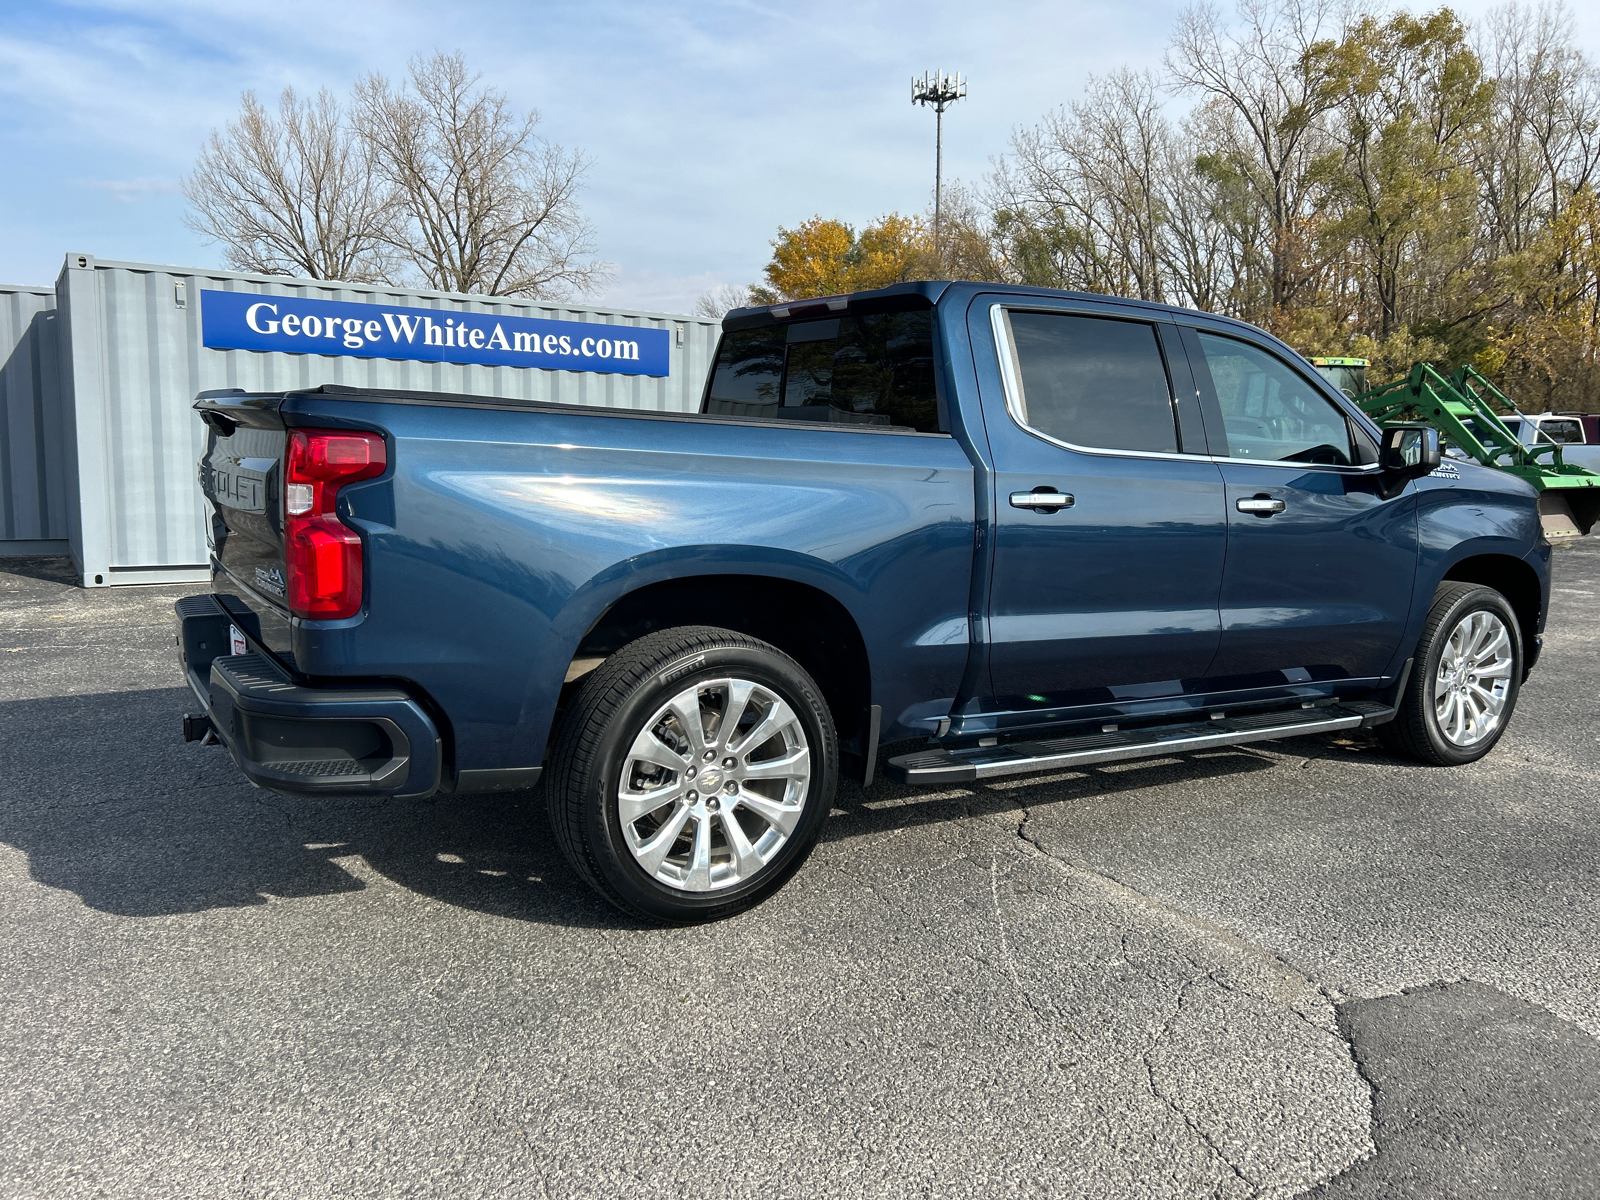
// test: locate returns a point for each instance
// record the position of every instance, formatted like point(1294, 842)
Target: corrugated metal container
point(33, 477)
point(136, 360)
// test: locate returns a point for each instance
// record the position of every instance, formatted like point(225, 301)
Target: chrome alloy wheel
point(714, 785)
point(1474, 679)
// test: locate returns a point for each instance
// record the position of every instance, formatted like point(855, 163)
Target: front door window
point(1270, 413)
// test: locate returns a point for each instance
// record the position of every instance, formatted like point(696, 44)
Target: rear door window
point(868, 369)
point(1269, 411)
point(1094, 382)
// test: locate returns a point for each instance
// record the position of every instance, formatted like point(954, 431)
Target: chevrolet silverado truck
point(993, 530)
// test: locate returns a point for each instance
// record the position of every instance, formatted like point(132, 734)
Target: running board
point(1115, 745)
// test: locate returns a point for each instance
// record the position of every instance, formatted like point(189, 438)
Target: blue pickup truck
point(990, 530)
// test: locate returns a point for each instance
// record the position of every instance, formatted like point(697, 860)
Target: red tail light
point(323, 553)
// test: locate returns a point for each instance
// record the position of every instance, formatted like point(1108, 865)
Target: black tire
point(592, 748)
point(1416, 732)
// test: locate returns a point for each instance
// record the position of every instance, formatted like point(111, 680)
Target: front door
point(1320, 566)
point(1109, 527)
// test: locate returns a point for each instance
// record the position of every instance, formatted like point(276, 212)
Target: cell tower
point(938, 91)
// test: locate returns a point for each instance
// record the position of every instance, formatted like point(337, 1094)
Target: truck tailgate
point(241, 474)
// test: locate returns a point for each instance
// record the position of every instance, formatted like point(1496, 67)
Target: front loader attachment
point(1463, 409)
point(1569, 512)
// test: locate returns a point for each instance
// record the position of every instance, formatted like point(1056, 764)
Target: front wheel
point(1464, 679)
point(692, 774)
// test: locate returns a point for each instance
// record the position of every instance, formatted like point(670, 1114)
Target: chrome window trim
point(1011, 383)
point(1364, 469)
point(1011, 380)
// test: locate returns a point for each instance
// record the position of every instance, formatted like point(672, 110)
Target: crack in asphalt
point(1155, 1088)
point(1210, 931)
point(1199, 926)
point(1399, 1144)
point(1346, 1035)
point(1055, 1017)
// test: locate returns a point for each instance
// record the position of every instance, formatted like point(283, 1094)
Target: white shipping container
point(132, 358)
point(33, 499)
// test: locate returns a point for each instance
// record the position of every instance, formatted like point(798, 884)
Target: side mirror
point(1409, 452)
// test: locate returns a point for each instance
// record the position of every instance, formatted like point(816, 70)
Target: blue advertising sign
point(292, 325)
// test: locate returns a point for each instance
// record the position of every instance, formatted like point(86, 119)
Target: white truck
point(1565, 429)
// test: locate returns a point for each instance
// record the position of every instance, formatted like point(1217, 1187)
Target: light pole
point(938, 91)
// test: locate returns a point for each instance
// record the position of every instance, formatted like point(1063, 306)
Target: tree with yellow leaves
point(823, 257)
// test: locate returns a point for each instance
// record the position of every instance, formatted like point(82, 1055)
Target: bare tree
point(293, 194)
point(1543, 146)
point(1273, 78)
point(719, 301)
point(1106, 182)
point(1212, 231)
point(490, 207)
point(967, 247)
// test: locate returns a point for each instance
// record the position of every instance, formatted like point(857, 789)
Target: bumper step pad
point(310, 740)
point(301, 738)
point(971, 764)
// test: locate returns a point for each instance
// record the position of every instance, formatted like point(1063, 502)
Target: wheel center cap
point(710, 780)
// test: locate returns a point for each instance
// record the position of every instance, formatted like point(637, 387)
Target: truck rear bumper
point(305, 741)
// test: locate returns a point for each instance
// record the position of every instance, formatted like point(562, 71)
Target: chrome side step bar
point(973, 763)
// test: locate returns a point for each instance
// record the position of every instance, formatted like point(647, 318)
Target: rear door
point(1320, 565)
point(1106, 588)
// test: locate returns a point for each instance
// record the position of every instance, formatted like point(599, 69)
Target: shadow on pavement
point(109, 803)
point(46, 568)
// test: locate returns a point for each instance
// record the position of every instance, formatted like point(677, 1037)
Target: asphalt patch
point(1475, 1094)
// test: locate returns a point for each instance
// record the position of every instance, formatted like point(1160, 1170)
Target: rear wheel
point(1464, 679)
point(692, 774)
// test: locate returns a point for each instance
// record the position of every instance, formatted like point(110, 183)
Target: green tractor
point(1349, 375)
point(1465, 409)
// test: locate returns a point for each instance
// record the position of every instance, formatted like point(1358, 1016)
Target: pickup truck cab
point(992, 529)
point(1568, 430)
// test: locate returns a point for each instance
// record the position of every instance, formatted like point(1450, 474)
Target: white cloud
point(132, 191)
point(709, 123)
point(643, 290)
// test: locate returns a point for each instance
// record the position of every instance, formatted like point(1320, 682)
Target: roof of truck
point(926, 293)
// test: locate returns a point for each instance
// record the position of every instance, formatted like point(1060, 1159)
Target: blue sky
point(709, 124)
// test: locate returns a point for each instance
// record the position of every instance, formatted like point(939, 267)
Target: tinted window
point(748, 374)
point(1269, 411)
point(1093, 381)
point(873, 369)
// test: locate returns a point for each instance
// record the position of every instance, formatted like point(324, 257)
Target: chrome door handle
point(1261, 506)
point(1051, 500)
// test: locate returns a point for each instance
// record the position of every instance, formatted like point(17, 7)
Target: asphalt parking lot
point(1304, 967)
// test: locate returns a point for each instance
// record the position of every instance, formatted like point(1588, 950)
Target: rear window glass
point(1564, 433)
point(873, 369)
point(1093, 382)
